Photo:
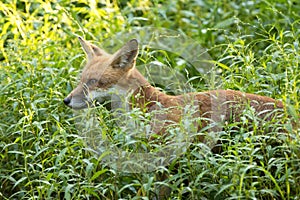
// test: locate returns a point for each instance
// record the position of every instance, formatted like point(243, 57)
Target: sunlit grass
point(43, 153)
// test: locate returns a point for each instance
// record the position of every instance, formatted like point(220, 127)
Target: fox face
point(104, 74)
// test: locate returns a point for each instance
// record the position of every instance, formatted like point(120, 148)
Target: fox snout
point(67, 101)
point(76, 102)
point(81, 98)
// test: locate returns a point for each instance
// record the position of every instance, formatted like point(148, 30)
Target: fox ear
point(126, 56)
point(90, 49)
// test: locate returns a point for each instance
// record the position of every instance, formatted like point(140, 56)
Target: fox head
point(103, 74)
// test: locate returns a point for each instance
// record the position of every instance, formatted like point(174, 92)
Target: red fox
point(107, 74)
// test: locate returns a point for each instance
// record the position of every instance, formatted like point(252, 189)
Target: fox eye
point(92, 82)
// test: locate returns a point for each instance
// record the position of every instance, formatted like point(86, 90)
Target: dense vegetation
point(253, 45)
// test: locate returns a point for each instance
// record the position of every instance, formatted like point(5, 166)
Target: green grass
point(43, 154)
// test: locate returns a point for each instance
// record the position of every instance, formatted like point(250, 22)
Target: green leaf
point(97, 174)
point(19, 181)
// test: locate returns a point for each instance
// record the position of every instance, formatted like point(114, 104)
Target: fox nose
point(67, 100)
